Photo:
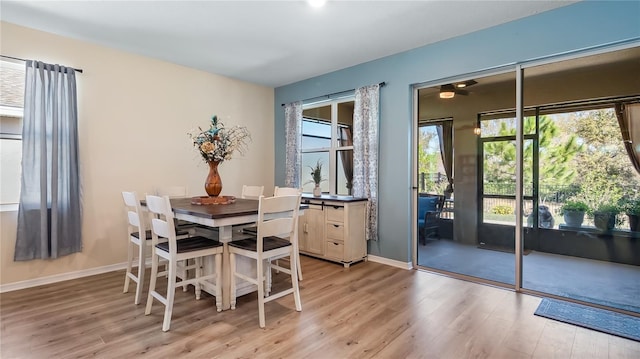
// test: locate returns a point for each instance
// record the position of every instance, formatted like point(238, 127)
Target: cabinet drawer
point(335, 213)
point(335, 250)
point(335, 231)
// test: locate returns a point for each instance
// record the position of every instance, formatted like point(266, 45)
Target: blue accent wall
point(579, 26)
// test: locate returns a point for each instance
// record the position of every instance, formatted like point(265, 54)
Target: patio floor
point(605, 283)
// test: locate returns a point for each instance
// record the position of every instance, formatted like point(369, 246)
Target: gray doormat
point(605, 321)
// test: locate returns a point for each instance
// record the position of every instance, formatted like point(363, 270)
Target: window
point(572, 152)
point(11, 110)
point(327, 134)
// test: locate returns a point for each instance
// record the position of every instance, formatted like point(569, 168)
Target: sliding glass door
point(580, 179)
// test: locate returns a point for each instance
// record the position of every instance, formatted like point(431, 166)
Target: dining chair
point(248, 192)
point(282, 191)
point(252, 192)
point(173, 250)
point(139, 236)
point(180, 192)
point(276, 219)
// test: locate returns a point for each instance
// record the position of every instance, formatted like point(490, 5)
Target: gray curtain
point(365, 153)
point(629, 120)
point(445, 135)
point(293, 139)
point(49, 214)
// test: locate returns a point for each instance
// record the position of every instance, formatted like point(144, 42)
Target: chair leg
point(126, 274)
point(294, 280)
point(141, 271)
point(171, 291)
point(269, 276)
point(218, 261)
point(184, 275)
point(260, 278)
point(152, 282)
point(297, 252)
point(232, 266)
point(198, 275)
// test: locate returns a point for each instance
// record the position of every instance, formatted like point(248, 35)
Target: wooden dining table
point(223, 217)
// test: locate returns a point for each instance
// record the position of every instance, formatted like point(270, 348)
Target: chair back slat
point(134, 219)
point(130, 199)
point(160, 227)
point(286, 191)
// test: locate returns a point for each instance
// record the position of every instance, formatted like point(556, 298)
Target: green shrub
point(630, 206)
point(502, 209)
point(574, 206)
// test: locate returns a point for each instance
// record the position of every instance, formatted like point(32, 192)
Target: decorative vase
point(213, 184)
point(317, 192)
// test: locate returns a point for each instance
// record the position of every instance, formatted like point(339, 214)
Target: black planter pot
point(634, 221)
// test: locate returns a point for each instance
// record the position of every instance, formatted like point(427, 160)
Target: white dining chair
point(276, 219)
point(252, 192)
point(290, 191)
point(139, 236)
point(180, 192)
point(173, 250)
point(248, 192)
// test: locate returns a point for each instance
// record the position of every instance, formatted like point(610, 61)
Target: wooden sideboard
point(332, 228)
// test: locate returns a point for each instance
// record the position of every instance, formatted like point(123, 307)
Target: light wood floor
point(367, 311)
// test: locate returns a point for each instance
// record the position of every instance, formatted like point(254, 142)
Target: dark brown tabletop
point(241, 207)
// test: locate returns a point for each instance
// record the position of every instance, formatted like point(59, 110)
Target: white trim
point(11, 111)
point(8, 207)
point(61, 277)
point(390, 262)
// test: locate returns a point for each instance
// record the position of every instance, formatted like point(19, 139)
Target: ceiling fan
point(450, 90)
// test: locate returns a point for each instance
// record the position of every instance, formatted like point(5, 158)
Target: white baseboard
point(61, 277)
point(390, 262)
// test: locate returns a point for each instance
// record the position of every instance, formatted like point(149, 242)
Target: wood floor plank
point(366, 311)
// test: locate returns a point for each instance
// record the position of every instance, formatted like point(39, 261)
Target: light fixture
point(477, 131)
point(316, 3)
point(447, 91)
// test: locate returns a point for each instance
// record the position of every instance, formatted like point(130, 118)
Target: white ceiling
point(271, 43)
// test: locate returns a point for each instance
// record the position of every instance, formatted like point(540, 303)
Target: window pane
point(500, 168)
point(315, 135)
point(10, 155)
point(344, 172)
point(432, 177)
point(506, 127)
point(316, 128)
point(309, 160)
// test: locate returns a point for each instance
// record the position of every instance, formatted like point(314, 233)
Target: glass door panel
point(583, 159)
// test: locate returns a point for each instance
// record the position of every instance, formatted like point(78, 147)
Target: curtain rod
point(381, 84)
point(19, 59)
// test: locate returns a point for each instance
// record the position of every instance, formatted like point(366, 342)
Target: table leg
point(225, 234)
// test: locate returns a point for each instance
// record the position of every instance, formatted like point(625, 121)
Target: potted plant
point(573, 213)
point(604, 217)
point(316, 178)
point(631, 207)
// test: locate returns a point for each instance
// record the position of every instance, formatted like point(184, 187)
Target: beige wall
point(134, 115)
